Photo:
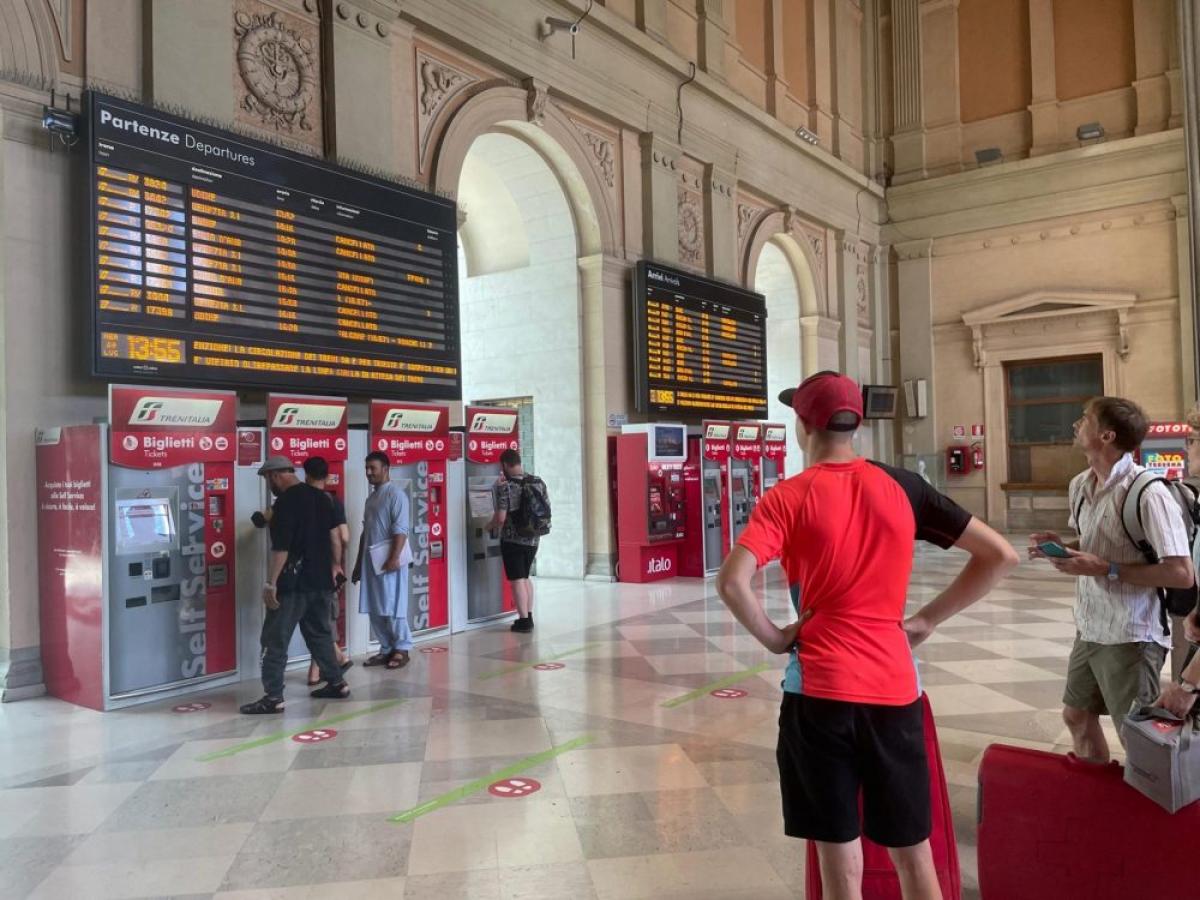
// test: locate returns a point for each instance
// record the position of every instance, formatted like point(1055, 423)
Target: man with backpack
point(523, 515)
point(1122, 632)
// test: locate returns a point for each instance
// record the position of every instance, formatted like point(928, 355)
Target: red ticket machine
point(490, 430)
point(706, 479)
point(300, 427)
point(652, 510)
point(136, 550)
point(1165, 449)
point(745, 474)
point(416, 438)
point(774, 454)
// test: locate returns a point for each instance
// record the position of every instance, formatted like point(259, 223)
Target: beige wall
point(1093, 46)
point(993, 53)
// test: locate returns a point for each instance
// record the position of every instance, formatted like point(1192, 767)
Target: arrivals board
point(699, 345)
point(223, 260)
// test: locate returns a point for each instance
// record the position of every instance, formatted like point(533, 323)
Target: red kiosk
point(490, 430)
point(136, 549)
point(416, 438)
point(745, 475)
point(300, 427)
point(706, 479)
point(1165, 449)
point(652, 510)
point(774, 455)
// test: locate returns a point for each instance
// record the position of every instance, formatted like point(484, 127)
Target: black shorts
point(518, 559)
point(829, 750)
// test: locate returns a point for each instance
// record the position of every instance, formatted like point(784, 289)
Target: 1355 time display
point(142, 348)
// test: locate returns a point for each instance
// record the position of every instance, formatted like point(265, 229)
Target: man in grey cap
point(305, 542)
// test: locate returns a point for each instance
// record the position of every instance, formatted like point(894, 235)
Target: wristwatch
point(1187, 687)
point(269, 584)
point(1113, 571)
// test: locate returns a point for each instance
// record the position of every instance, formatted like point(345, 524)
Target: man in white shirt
point(1121, 640)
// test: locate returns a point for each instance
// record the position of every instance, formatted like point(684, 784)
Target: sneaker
point(263, 706)
point(524, 625)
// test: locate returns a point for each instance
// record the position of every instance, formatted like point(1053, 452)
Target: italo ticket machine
point(298, 427)
point(1164, 449)
point(652, 504)
point(135, 548)
point(706, 480)
point(416, 438)
point(490, 430)
point(774, 454)
point(745, 473)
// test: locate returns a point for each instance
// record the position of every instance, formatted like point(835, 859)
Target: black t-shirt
point(940, 521)
point(339, 511)
point(303, 519)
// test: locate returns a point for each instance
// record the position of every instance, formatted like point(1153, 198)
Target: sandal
point(398, 659)
point(263, 706)
point(344, 666)
point(379, 659)
point(339, 691)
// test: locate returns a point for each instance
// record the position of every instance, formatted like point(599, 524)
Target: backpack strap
point(1131, 513)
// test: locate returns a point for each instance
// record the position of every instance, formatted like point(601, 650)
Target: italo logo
point(182, 411)
point(658, 565)
point(492, 423)
point(320, 416)
point(422, 420)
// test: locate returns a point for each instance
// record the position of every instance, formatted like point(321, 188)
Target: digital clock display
point(223, 260)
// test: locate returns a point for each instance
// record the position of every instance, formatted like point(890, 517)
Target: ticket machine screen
point(145, 525)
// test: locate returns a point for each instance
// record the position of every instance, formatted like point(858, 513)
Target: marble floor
point(648, 785)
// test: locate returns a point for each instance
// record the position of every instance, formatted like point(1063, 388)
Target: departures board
point(218, 259)
point(700, 346)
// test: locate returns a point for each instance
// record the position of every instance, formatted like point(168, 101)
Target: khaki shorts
point(1106, 679)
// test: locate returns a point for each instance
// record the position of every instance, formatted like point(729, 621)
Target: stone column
point(1189, 251)
point(1043, 109)
point(711, 36)
point(405, 160)
point(908, 136)
point(660, 198)
point(604, 292)
point(846, 301)
point(878, 286)
point(652, 18)
point(873, 151)
point(719, 188)
point(939, 76)
point(777, 86)
point(360, 123)
point(1152, 33)
point(915, 286)
point(1187, 306)
point(822, 112)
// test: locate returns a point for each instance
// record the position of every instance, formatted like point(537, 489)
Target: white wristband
point(268, 584)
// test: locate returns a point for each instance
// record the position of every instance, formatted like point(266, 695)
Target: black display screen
point(700, 345)
point(223, 260)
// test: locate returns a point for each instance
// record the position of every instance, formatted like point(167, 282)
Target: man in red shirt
point(851, 720)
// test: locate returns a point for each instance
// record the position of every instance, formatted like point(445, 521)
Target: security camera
point(551, 24)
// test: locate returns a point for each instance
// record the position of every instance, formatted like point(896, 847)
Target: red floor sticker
point(315, 736)
point(435, 649)
point(549, 667)
point(190, 707)
point(514, 787)
point(729, 693)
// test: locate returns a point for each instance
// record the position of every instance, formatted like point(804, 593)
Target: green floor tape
point(281, 735)
point(716, 686)
point(480, 783)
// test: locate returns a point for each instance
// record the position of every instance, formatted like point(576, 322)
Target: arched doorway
point(781, 273)
point(522, 341)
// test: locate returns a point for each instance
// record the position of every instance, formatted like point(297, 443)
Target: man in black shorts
point(517, 550)
point(851, 719)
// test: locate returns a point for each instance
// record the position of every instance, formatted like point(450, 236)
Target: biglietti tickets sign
point(156, 428)
point(490, 431)
point(300, 427)
point(409, 432)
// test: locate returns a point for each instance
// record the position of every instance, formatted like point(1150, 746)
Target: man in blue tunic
point(383, 594)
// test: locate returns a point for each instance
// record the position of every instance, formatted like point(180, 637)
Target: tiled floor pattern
point(666, 803)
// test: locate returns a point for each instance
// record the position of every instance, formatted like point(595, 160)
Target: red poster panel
point(70, 564)
point(157, 428)
point(250, 447)
point(490, 431)
point(299, 427)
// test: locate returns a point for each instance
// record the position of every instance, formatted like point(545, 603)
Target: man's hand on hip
point(918, 630)
point(789, 635)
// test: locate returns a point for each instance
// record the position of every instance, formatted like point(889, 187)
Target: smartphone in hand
point(1058, 551)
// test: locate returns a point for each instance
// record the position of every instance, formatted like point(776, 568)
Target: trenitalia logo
point(492, 423)
point(777, 435)
point(318, 416)
point(420, 420)
point(717, 433)
point(747, 433)
point(181, 411)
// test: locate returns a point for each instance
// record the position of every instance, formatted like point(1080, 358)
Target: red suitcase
point(879, 875)
point(1051, 826)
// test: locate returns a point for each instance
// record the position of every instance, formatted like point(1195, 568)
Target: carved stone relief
point(277, 83)
point(535, 102)
point(437, 82)
point(745, 218)
point(864, 309)
point(602, 153)
point(691, 228)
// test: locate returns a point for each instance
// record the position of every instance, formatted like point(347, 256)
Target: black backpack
point(1176, 601)
point(532, 517)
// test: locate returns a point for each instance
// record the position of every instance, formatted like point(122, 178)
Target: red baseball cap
point(820, 396)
